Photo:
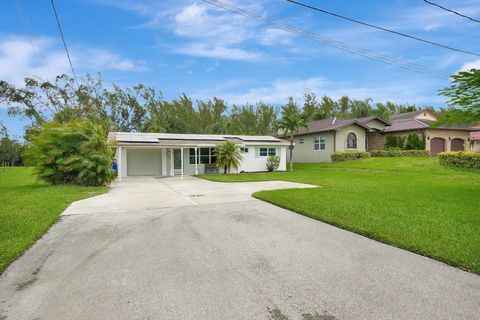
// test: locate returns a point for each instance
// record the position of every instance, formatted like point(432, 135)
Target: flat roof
point(146, 138)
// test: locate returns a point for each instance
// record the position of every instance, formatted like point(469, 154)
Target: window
point(319, 143)
point(351, 141)
point(244, 150)
point(268, 152)
point(300, 141)
point(204, 155)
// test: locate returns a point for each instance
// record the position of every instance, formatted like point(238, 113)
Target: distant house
point(324, 137)
point(438, 139)
point(164, 154)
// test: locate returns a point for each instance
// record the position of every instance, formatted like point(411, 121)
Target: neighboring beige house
point(164, 154)
point(327, 136)
point(324, 137)
point(475, 141)
point(439, 139)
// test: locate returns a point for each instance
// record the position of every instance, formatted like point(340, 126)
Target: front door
point(177, 159)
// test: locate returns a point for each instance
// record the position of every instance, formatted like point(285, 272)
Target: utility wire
point(452, 11)
point(382, 28)
point(64, 43)
point(24, 20)
point(326, 41)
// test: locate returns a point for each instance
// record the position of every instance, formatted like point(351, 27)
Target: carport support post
point(196, 161)
point(181, 158)
point(119, 164)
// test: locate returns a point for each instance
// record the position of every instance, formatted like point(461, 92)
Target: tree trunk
point(291, 153)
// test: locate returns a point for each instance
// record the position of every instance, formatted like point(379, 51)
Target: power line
point(64, 43)
point(326, 41)
point(41, 58)
point(452, 11)
point(382, 28)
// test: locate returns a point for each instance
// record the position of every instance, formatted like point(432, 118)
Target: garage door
point(437, 145)
point(144, 162)
point(457, 144)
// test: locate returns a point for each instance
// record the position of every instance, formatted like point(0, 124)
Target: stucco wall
point(304, 152)
point(448, 135)
point(342, 138)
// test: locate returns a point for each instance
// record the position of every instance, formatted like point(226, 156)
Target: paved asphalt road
point(193, 249)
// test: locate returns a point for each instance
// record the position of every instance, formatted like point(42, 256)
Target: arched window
point(351, 141)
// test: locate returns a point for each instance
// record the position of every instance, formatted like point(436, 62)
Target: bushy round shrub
point(349, 155)
point(460, 159)
point(70, 153)
point(273, 162)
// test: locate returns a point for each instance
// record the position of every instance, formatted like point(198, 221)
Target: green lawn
point(412, 203)
point(28, 208)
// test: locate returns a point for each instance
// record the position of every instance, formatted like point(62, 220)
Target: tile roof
point(370, 118)
point(405, 125)
point(331, 124)
point(407, 115)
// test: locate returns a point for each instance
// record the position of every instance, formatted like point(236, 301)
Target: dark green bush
point(71, 153)
point(400, 153)
point(414, 142)
point(460, 159)
point(394, 142)
point(345, 156)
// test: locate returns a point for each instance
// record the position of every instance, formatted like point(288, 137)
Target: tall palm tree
point(228, 156)
point(289, 125)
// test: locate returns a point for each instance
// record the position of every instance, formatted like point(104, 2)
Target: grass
point(411, 203)
point(28, 208)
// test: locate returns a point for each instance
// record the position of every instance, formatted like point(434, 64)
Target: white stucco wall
point(253, 162)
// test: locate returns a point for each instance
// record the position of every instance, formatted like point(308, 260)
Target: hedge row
point(460, 159)
point(344, 156)
point(400, 153)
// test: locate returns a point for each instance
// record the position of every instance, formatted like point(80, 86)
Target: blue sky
point(193, 47)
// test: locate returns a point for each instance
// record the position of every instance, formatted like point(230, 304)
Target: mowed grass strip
point(28, 208)
point(411, 203)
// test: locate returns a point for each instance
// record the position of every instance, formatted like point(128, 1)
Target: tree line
point(142, 108)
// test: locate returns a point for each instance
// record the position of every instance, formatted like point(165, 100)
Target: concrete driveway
point(194, 249)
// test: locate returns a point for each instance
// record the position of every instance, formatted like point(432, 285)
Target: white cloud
point(274, 36)
point(400, 91)
point(470, 65)
point(42, 57)
point(218, 52)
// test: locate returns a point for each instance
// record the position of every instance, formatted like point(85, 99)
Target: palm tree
point(228, 155)
point(290, 124)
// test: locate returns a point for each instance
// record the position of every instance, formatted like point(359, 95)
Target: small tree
point(465, 93)
point(273, 162)
point(70, 153)
point(228, 156)
point(289, 125)
point(414, 142)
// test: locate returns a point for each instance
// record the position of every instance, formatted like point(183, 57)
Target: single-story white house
point(166, 154)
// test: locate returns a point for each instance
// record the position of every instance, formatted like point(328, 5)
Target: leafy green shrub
point(394, 142)
point(345, 156)
point(400, 153)
point(414, 142)
point(71, 153)
point(460, 159)
point(273, 162)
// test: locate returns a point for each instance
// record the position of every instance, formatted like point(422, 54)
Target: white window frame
point(244, 150)
point(319, 141)
point(269, 151)
point(300, 140)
